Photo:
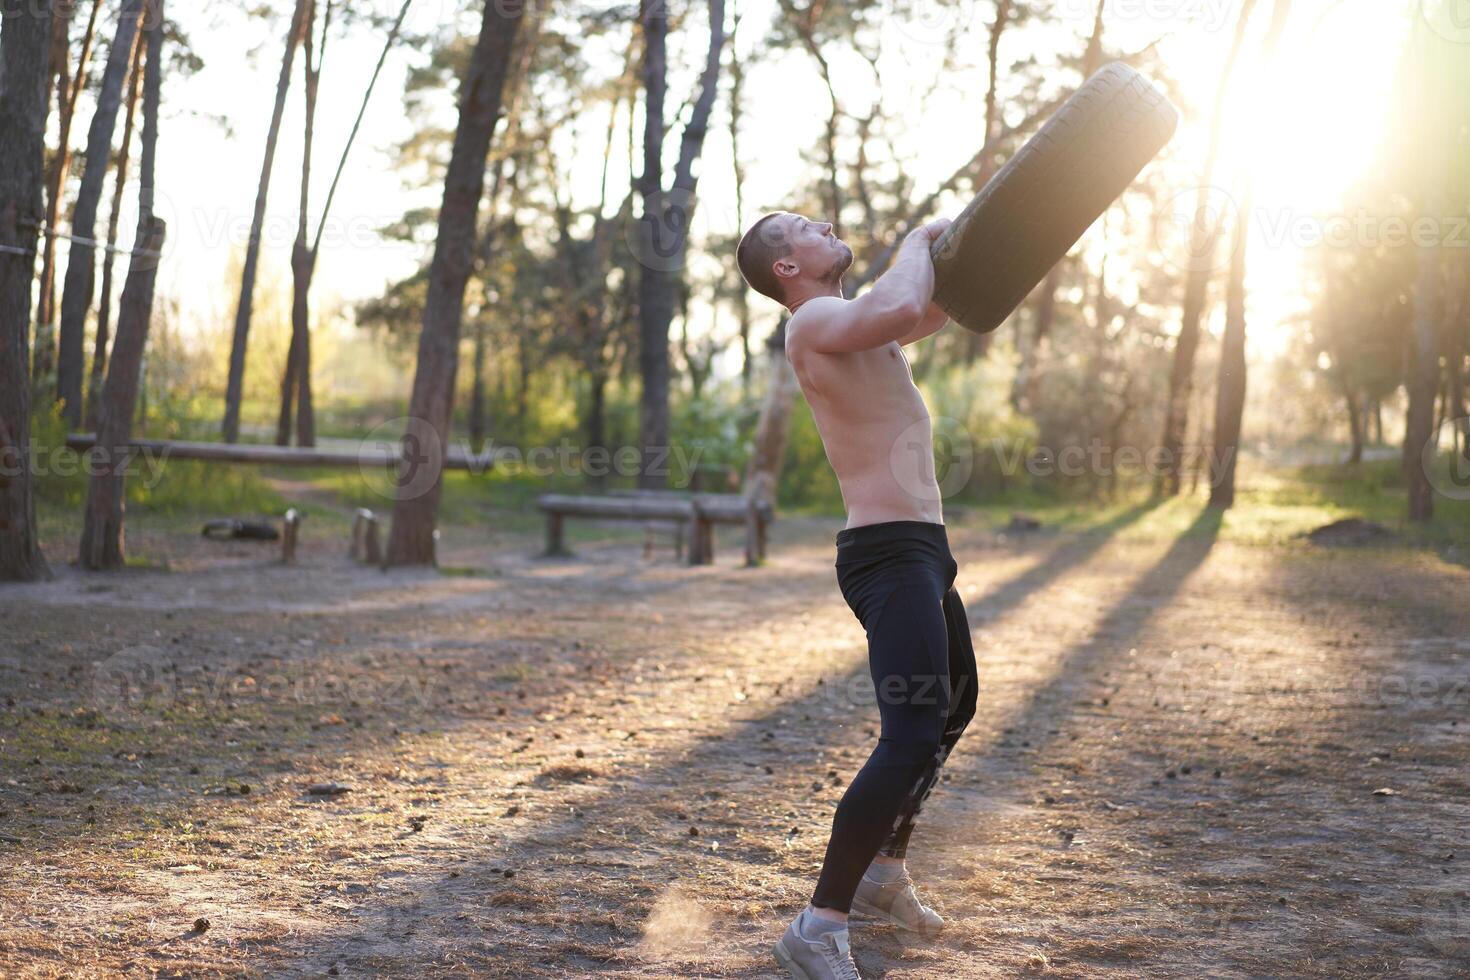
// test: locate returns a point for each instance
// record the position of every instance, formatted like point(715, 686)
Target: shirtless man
point(893, 562)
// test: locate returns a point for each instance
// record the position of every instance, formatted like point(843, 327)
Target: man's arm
point(930, 324)
point(888, 311)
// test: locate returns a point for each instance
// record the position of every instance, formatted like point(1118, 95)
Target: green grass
point(1274, 504)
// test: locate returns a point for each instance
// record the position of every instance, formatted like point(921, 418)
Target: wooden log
point(617, 508)
point(753, 536)
point(555, 546)
point(365, 546)
point(701, 537)
point(220, 452)
point(722, 508)
point(374, 550)
point(288, 537)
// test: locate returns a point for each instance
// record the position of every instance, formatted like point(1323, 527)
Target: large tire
point(1034, 209)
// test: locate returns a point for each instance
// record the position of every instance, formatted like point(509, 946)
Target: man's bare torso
point(876, 431)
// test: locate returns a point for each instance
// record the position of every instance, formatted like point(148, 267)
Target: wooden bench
point(365, 546)
point(699, 512)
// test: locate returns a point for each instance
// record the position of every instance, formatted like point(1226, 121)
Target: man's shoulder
point(812, 314)
point(819, 306)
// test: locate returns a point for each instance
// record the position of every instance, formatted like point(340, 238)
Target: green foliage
point(978, 431)
point(157, 486)
point(712, 436)
point(807, 481)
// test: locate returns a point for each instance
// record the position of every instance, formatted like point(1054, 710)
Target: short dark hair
point(758, 250)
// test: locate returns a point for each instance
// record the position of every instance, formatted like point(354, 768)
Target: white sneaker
point(897, 902)
point(827, 958)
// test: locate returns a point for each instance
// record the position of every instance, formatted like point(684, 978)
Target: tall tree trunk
point(102, 528)
point(296, 382)
point(655, 284)
point(25, 66)
point(77, 292)
point(477, 387)
point(763, 472)
point(1046, 302)
point(666, 218)
point(69, 87)
point(1355, 423)
point(235, 385)
point(415, 511)
point(58, 81)
point(1454, 338)
point(976, 344)
point(1203, 237)
point(742, 295)
point(109, 256)
point(523, 383)
point(596, 424)
point(1423, 382)
point(1231, 380)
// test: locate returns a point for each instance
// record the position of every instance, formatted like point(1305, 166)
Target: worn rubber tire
point(1031, 213)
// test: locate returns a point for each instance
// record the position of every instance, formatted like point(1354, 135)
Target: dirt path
point(609, 766)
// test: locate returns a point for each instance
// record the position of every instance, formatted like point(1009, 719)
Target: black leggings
point(898, 578)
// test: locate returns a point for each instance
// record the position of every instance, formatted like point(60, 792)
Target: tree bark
point(296, 384)
point(742, 295)
point(763, 473)
point(1230, 382)
point(1231, 378)
point(477, 387)
point(25, 67)
point(655, 285)
point(102, 529)
point(1355, 423)
point(69, 89)
point(1203, 237)
point(666, 218)
point(1046, 303)
point(78, 290)
point(977, 344)
point(1423, 382)
point(415, 511)
point(235, 385)
point(109, 257)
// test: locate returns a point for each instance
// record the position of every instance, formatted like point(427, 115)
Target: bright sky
point(1305, 135)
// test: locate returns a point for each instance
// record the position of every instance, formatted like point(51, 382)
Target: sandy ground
point(1192, 758)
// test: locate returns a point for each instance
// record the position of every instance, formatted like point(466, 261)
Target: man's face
point(816, 250)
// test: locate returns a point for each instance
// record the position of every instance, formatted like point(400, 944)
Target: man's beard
point(840, 266)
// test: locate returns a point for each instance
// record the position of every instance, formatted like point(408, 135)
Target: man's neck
point(835, 289)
